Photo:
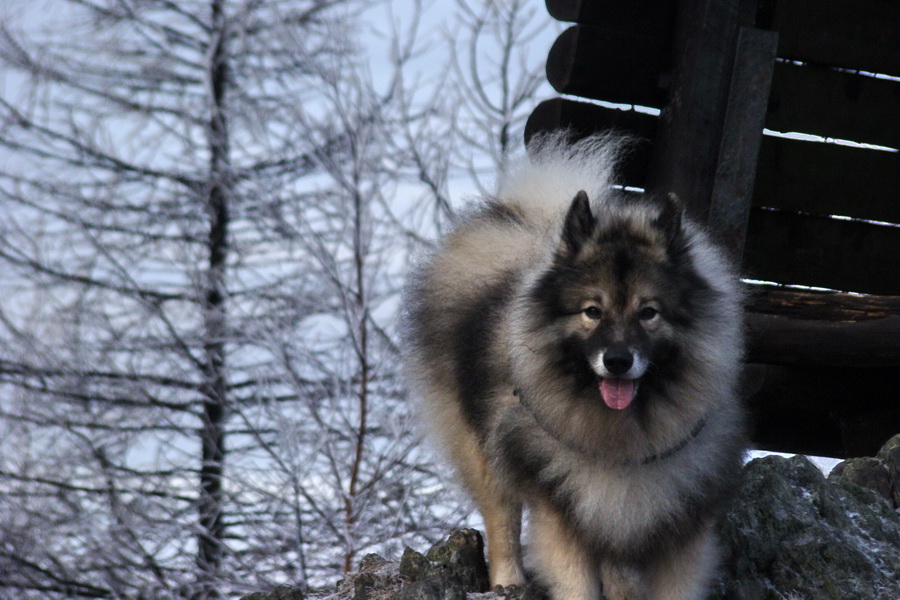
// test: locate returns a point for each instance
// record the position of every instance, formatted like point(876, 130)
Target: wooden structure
point(824, 367)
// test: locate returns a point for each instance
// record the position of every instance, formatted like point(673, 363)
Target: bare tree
point(498, 72)
point(198, 375)
point(208, 209)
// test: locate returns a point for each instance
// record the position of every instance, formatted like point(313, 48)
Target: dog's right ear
point(577, 227)
point(669, 221)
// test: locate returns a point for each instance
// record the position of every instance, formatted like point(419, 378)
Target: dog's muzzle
point(620, 369)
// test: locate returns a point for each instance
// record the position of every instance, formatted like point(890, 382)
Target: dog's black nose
point(617, 360)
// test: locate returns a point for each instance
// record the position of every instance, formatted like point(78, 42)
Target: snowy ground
point(823, 462)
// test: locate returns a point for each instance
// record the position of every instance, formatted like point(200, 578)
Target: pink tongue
point(617, 393)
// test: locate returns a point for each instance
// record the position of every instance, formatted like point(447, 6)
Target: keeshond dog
point(577, 352)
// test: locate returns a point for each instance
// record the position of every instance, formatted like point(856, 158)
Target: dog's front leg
point(563, 564)
point(503, 524)
point(684, 573)
point(623, 582)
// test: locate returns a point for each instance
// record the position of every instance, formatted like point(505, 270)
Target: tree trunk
point(212, 431)
point(360, 307)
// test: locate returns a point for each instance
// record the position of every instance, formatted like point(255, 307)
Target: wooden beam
point(790, 327)
point(745, 114)
point(794, 248)
point(820, 306)
point(835, 104)
point(828, 179)
point(689, 140)
point(785, 341)
point(858, 35)
point(611, 65)
point(650, 17)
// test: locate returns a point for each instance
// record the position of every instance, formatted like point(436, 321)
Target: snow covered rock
point(867, 471)
point(890, 455)
point(793, 534)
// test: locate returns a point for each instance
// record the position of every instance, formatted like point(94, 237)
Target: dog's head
point(619, 298)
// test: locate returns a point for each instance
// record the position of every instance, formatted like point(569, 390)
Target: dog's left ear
point(670, 218)
point(578, 226)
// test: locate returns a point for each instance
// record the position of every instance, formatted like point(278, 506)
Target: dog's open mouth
point(617, 392)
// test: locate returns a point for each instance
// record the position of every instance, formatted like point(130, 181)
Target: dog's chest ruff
point(619, 508)
point(646, 460)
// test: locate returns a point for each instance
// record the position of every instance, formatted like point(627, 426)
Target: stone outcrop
point(794, 534)
point(791, 534)
point(452, 570)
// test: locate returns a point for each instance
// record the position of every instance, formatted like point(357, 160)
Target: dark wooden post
point(688, 143)
point(744, 119)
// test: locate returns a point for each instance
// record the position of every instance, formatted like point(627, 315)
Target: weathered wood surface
point(828, 179)
point(741, 137)
point(857, 35)
point(686, 149)
point(804, 176)
point(852, 34)
point(836, 104)
point(611, 65)
point(824, 371)
point(794, 248)
point(821, 306)
point(652, 17)
point(790, 327)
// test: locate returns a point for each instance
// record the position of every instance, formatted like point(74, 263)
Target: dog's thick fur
point(577, 352)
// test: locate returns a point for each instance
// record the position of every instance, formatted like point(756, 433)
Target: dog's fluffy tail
point(541, 184)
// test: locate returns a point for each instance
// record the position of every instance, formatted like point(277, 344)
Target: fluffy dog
point(577, 352)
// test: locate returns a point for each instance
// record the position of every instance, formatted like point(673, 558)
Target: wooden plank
point(687, 147)
point(792, 248)
point(611, 65)
point(828, 179)
point(792, 327)
point(835, 104)
point(741, 136)
point(821, 306)
point(782, 340)
point(583, 119)
point(649, 17)
point(859, 35)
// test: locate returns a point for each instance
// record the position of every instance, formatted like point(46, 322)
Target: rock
point(372, 562)
point(890, 454)
point(867, 471)
point(414, 566)
point(440, 586)
point(463, 556)
point(448, 571)
point(426, 580)
point(791, 531)
point(531, 591)
point(284, 592)
point(374, 576)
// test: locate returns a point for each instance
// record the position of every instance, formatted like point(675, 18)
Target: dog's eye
point(592, 312)
point(648, 313)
